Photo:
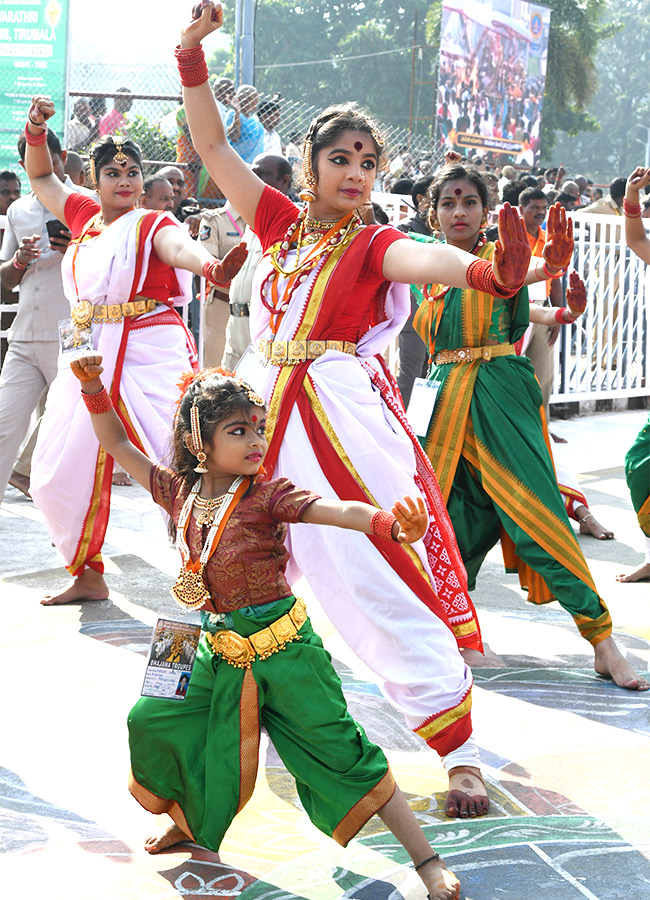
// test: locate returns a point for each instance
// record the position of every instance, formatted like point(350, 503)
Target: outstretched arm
point(52, 193)
point(410, 524)
point(107, 425)
point(635, 234)
point(576, 296)
point(227, 169)
point(416, 263)
point(175, 247)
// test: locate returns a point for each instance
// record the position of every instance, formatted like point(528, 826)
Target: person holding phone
point(32, 249)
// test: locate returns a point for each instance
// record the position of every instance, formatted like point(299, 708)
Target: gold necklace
point(318, 224)
point(209, 508)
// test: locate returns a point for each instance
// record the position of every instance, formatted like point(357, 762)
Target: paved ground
point(565, 753)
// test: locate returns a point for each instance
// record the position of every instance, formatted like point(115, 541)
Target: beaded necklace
point(336, 233)
point(190, 590)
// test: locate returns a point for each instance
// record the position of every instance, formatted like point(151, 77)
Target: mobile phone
point(55, 228)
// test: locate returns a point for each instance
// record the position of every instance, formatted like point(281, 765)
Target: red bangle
point(98, 403)
point(208, 273)
point(480, 277)
point(559, 315)
point(18, 265)
point(35, 140)
point(382, 524)
point(631, 210)
point(548, 273)
point(191, 66)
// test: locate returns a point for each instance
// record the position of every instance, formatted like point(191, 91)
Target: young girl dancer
point(487, 439)
point(258, 657)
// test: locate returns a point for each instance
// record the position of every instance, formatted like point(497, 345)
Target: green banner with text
point(33, 60)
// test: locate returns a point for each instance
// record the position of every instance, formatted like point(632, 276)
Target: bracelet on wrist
point(98, 403)
point(42, 125)
point(18, 264)
point(631, 210)
point(191, 66)
point(382, 524)
point(559, 316)
point(208, 273)
point(549, 274)
point(480, 276)
point(35, 140)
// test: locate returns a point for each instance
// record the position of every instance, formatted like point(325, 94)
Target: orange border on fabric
point(249, 738)
point(523, 506)
point(101, 473)
point(364, 809)
point(158, 805)
point(239, 493)
point(643, 517)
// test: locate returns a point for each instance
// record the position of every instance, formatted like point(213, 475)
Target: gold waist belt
point(240, 651)
point(290, 353)
point(83, 313)
point(467, 354)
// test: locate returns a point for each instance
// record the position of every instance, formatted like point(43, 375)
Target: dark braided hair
point(216, 396)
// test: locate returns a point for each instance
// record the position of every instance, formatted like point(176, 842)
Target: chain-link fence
point(152, 96)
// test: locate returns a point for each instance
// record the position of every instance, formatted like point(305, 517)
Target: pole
point(415, 31)
point(238, 18)
point(248, 43)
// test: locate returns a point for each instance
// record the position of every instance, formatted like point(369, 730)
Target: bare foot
point(589, 524)
point(557, 439)
point(167, 838)
point(90, 585)
point(21, 483)
point(610, 662)
point(439, 881)
point(121, 479)
point(467, 797)
point(641, 573)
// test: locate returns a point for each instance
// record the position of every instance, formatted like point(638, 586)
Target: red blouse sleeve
point(374, 261)
point(287, 503)
point(79, 208)
point(275, 212)
point(165, 487)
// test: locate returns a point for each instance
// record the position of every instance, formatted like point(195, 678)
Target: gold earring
point(197, 441)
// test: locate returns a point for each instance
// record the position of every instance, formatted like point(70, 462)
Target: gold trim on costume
point(83, 312)
point(249, 738)
point(354, 820)
point(448, 718)
point(469, 354)
point(290, 353)
point(158, 805)
point(240, 651)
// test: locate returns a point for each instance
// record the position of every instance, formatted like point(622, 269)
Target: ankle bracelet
point(436, 857)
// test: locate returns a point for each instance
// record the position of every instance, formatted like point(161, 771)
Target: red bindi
point(253, 419)
point(358, 145)
point(458, 192)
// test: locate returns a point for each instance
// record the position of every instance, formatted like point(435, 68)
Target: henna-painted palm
point(412, 519)
point(558, 248)
point(224, 271)
point(576, 295)
point(512, 250)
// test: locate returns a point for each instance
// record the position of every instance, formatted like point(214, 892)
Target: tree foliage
point(622, 101)
point(300, 33)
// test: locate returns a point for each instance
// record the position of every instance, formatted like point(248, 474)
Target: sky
point(143, 31)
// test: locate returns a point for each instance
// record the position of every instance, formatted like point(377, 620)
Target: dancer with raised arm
point(258, 660)
point(330, 295)
point(487, 438)
point(122, 272)
point(637, 459)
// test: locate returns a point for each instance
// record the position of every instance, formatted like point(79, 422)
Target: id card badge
point(421, 405)
point(253, 369)
point(171, 659)
point(75, 340)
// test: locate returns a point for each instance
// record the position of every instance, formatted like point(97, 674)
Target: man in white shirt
point(31, 261)
point(269, 115)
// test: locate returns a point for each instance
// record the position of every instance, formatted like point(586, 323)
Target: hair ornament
point(120, 156)
point(197, 440)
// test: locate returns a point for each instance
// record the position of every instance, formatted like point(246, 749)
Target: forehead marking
point(358, 145)
point(458, 192)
